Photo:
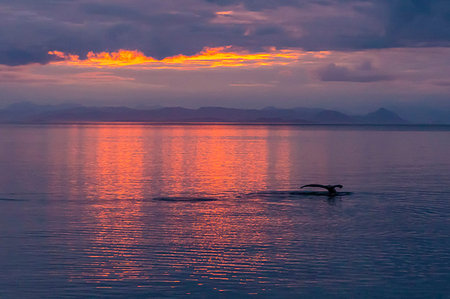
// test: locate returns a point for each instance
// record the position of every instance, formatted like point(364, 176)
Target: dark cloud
point(364, 73)
point(259, 5)
point(14, 57)
point(29, 28)
point(112, 10)
point(419, 23)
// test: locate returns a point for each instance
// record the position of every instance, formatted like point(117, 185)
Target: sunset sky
point(351, 54)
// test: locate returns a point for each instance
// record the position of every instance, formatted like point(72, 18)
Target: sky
point(355, 55)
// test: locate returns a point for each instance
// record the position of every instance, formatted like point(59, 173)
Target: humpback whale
point(330, 188)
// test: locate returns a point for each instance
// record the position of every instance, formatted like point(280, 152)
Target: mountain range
point(26, 112)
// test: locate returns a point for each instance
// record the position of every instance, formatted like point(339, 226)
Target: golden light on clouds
point(224, 13)
point(207, 58)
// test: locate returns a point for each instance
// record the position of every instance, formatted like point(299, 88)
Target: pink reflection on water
point(125, 165)
point(113, 174)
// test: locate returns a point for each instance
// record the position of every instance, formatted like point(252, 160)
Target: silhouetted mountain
point(33, 113)
point(425, 114)
point(23, 111)
point(333, 117)
point(32, 107)
point(147, 107)
point(383, 116)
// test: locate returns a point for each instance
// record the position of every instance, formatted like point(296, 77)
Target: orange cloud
point(224, 13)
point(207, 58)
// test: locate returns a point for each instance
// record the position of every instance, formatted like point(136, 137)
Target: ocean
point(159, 211)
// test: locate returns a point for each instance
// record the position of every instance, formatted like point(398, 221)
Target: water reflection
point(215, 163)
point(114, 180)
point(92, 221)
point(124, 166)
point(118, 165)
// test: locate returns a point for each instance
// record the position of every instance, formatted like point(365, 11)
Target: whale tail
point(330, 188)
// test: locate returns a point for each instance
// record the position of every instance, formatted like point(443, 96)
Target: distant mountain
point(27, 107)
point(383, 116)
point(33, 113)
point(147, 107)
point(333, 117)
point(23, 111)
point(425, 115)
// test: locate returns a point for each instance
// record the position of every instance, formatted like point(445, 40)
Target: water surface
point(159, 211)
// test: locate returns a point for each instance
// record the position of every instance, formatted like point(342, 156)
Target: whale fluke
point(330, 188)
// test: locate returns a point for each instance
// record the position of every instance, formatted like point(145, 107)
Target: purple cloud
point(29, 29)
point(364, 73)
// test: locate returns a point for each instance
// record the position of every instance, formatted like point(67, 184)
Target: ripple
point(11, 199)
point(295, 194)
point(185, 199)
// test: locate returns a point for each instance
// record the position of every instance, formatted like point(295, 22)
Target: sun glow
point(207, 58)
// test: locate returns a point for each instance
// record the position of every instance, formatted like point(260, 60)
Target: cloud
point(257, 5)
point(364, 73)
point(238, 17)
point(418, 23)
point(22, 76)
point(207, 58)
point(256, 85)
point(444, 83)
point(416, 75)
point(96, 77)
point(14, 56)
point(30, 29)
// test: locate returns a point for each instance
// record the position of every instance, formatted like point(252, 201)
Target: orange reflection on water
point(214, 160)
point(221, 238)
point(127, 165)
point(115, 180)
point(279, 162)
point(119, 162)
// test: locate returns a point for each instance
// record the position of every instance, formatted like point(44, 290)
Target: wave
point(185, 199)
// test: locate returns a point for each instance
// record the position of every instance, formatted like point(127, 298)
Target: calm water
point(79, 218)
